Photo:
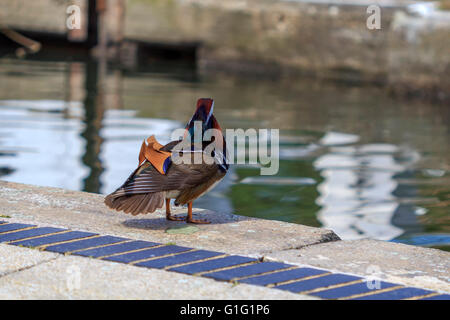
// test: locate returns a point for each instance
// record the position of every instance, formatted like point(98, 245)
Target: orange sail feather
point(151, 152)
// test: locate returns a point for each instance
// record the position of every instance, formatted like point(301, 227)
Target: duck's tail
point(137, 203)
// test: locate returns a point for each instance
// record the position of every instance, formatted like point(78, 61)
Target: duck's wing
point(146, 179)
point(131, 198)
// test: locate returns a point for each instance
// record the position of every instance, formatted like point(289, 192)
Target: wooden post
point(92, 27)
point(117, 15)
point(102, 30)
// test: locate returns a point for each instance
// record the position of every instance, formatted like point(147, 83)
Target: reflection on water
point(40, 145)
point(351, 159)
point(356, 195)
point(48, 143)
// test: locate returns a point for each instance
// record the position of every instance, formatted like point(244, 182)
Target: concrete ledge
point(15, 260)
point(28, 273)
point(394, 262)
point(69, 277)
point(84, 211)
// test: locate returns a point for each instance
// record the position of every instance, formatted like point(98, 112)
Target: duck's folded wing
point(144, 191)
point(147, 179)
point(137, 203)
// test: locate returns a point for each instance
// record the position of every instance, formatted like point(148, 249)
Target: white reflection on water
point(39, 145)
point(357, 192)
point(274, 181)
point(41, 142)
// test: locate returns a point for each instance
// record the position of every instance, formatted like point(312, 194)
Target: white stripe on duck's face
point(210, 112)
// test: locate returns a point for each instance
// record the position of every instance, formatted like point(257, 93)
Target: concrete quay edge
point(265, 239)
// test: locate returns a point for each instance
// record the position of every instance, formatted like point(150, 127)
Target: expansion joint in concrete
point(28, 267)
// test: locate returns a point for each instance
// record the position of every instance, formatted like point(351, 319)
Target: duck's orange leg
point(168, 216)
point(189, 218)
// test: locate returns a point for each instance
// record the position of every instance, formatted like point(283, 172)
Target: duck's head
point(204, 113)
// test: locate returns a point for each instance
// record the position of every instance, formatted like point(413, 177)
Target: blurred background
point(364, 114)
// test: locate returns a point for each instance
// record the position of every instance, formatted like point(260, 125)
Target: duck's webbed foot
point(197, 221)
point(172, 218)
point(168, 213)
point(189, 218)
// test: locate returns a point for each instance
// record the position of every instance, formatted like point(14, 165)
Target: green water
point(352, 159)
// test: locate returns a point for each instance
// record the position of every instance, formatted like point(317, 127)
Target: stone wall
point(330, 39)
point(41, 15)
point(419, 55)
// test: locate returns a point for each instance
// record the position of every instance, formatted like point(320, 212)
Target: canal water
point(351, 158)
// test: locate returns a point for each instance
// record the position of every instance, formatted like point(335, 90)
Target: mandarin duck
point(158, 178)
